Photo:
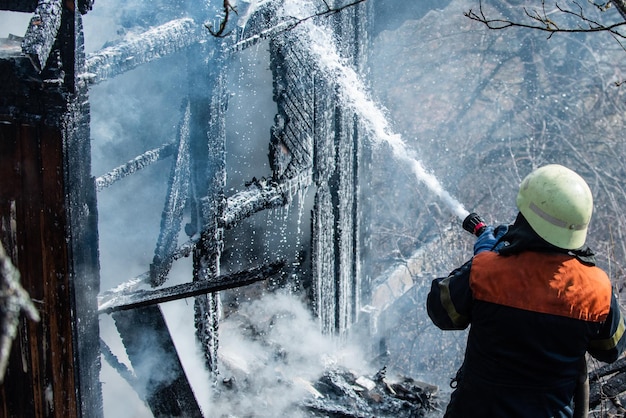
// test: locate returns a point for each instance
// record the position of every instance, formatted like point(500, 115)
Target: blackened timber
point(259, 196)
point(177, 192)
point(137, 163)
point(607, 369)
point(47, 195)
point(154, 358)
point(140, 298)
point(42, 32)
point(26, 6)
point(208, 148)
point(262, 195)
point(136, 50)
point(120, 368)
point(81, 232)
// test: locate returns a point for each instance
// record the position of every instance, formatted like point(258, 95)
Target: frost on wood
point(137, 163)
point(178, 190)
point(291, 146)
point(13, 300)
point(262, 194)
point(140, 49)
point(311, 130)
point(42, 32)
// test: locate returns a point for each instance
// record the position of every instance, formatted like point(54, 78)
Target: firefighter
point(536, 302)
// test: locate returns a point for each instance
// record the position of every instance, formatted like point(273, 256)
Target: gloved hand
point(489, 238)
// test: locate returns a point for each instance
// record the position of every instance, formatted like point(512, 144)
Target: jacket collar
point(521, 237)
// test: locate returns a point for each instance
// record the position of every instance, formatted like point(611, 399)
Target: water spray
point(354, 95)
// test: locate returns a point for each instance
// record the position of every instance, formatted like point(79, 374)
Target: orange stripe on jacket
point(555, 284)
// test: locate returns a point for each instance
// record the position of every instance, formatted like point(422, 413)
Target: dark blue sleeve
point(611, 340)
point(450, 300)
point(489, 240)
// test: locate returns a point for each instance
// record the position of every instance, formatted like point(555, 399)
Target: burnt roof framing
point(307, 120)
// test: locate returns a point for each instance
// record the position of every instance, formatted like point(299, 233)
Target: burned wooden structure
point(49, 204)
point(48, 215)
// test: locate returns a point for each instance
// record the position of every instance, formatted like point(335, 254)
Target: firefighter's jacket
point(533, 314)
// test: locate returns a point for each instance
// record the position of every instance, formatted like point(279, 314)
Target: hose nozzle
point(474, 224)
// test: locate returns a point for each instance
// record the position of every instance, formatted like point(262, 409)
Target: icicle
point(262, 194)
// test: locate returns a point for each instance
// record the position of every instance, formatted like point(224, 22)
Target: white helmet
point(557, 203)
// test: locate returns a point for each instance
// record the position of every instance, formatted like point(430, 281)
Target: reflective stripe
point(446, 301)
point(611, 342)
point(554, 221)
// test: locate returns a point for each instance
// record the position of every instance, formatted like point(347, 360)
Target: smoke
point(272, 351)
point(13, 23)
point(270, 348)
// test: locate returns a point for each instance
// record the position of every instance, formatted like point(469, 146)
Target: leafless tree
point(557, 18)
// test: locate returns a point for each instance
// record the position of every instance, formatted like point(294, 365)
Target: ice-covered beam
point(140, 49)
point(251, 40)
point(131, 300)
point(260, 195)
point(137, 163)
point(42, 32)
point(177, 193)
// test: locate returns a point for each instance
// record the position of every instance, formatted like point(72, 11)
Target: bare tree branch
point(541, 21)
point(227, 8)
point(329, 10)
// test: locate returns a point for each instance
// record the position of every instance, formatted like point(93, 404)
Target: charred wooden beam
point(113, 302)
point(611, 368)
point(601, 388)
point(47, 197)
point(42, 32)
point(120, 368)
point(152, 353)
point(25, 6)
point(137, 163)
point(177, 194)
point(208, 148)
point(140, 49)
point(261, 195)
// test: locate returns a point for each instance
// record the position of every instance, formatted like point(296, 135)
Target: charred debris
point(49, 201)
point(49, 211)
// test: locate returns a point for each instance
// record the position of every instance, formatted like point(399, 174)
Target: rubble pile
point(275, 362)
point(342, 393)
